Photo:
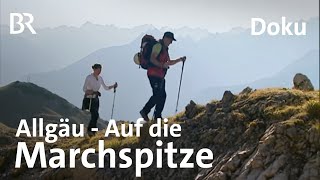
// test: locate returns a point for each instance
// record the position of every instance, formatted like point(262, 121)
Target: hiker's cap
point(169, 35)
point(96, 66)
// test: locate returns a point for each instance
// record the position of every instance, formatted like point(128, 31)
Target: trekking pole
point(179, 87)
point(114, 97)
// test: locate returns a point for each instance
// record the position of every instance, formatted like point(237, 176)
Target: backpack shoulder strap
point(158, 48)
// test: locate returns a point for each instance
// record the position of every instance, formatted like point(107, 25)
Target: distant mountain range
point(308, 65)
point(55, 48)
point(22, 100)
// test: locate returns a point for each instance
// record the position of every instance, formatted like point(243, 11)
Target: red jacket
point(163, 58)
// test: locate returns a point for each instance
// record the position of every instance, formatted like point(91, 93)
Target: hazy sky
point(214, 15)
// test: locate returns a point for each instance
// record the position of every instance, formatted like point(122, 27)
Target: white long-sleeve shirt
point(91, 83)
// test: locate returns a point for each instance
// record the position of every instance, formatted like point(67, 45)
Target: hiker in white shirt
point(91, 88)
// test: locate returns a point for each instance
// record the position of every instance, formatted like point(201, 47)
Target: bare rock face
point(227, 101)
point(227, 98)
point(302, 82)
point(191, 109)
point(246, 90)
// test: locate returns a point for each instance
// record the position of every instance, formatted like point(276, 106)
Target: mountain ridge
point(265, 133)
point(26, 101)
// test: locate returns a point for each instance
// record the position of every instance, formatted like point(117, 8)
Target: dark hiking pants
point(158, 97)
point(94, 113)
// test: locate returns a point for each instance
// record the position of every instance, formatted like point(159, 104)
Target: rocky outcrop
point(272, 158)
point(302, 82)
point(246, 91)
point(191, 109)
point(264, 137)
point(227, 100)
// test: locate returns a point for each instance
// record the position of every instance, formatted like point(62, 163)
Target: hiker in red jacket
point(156, 73)
point(91, 88)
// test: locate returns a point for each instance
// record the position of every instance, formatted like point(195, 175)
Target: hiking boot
point(144, 115)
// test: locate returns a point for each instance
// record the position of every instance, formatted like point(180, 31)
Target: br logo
point(17, 19)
